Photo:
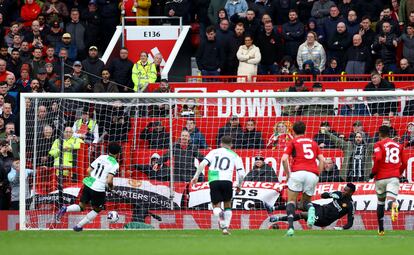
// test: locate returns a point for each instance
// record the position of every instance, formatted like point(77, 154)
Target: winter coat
point(252, 140)
point(270, 48)
point(248, 58)
point(408, 48)
point(101, 87)
point(293, 34)
point(143, 10)
point(209, 56)
point(264, 174)
point(214, 7)
point(387, 51)
point(77, 31)
point(121, 71)
point(358, 60)
point(315, 53)
point(94, 66)
point(235, 6)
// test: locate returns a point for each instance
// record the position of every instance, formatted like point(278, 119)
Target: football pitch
point(253, 242)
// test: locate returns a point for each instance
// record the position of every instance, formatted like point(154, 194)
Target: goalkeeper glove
point(338, 228)
point(371, 176)
point(334, 195)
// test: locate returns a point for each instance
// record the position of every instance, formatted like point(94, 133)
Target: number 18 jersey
point(101, 167)
point(388, 156)
point(221, 164)
point(304, 152)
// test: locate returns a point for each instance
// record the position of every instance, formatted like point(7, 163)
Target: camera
point(11, 132)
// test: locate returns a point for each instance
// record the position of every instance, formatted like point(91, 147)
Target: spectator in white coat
point(249, 57)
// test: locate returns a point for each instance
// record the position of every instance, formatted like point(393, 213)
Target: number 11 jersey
point(101, 167)
point(304, 152)
point(221, 164)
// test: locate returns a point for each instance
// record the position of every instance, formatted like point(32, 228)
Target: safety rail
point(282, 78)
point(212, 78)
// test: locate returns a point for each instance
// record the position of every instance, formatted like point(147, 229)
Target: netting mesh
point(163, 141)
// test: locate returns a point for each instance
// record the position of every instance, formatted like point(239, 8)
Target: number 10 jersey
point(221, 164)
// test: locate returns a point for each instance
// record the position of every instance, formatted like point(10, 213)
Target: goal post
point(176, 130)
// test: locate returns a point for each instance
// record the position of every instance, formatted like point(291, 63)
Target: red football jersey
point(304, 152)
point(388, 157)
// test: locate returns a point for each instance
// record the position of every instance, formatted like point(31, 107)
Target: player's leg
point(98, 203)
point(216, 199)
point(84, 200)
point(295, 185)
point(380, 188)
point(391, 198)
point(310, 182)
point(275, 218)
point(227, 192)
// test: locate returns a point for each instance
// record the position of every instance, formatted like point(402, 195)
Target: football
point(113, 216)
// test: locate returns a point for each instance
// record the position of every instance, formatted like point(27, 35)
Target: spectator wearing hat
point(93, 65)
point(357, 153)
point(86, 128)
point(330, 172)
point(105, 85)
point(92, 21)
point(322, 138)
point(23, 83)
point(160, 173)
point(69, 45)
point(54, 37)
point(314, 107)
point(252, 139)
point(70, 84)
point(233, 129)
point(77, 72)
point(77, 30)
point(156, 136)
point(408, 138)
point(261, 171)
point(41, 77)
point(121, 71)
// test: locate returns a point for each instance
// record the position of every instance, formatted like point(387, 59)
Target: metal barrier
point(282, 78)
point(398, 77)
point(343, 77)
point(213, 78)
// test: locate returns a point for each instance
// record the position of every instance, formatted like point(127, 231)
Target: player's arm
point(377, 156)
point(321, 159)
point(285, 163)
point(90, 169)
point(350, 217)
point(403, 166)
point(334, 195)
point(240, 172)
point(110, 181)
point(200, 169)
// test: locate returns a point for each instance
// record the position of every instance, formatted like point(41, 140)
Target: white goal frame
point(24, 96)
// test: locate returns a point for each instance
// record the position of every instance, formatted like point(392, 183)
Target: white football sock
point(88, 218)
point(73, 208)
point(227, 217)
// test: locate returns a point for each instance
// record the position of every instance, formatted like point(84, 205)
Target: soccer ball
point(113, 216)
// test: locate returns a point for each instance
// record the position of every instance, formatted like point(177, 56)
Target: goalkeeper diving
point(326, 214)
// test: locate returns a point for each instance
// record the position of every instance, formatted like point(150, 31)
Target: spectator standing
point(162, 109)
point(82, 77)
point(261, 172)
point(311, 50)
point(365, 31)
point(353, 107)
point(178, 9)
point(304, 8)
point(67, 43)
point(230, 50)
point(323, 139)
point(395, 27)
point(4, 189)
point(293, 33)
point(357, 57)
point(77, 31)
point(92, 21)
point(121, 70)
point(358, 127)
point(270, 44)
point(210, 56)
point(15, 63)
point(352, 24)
point(29, 12)
point(109, 12)
point(43, 146)
point(213, 10)
point(14, 179)
point(370, 8)
point(55, 10)
point(408, 138)
point(320, 10)
point(233, 7)
point(93, 65)
point(338, 44)
point(249, 57)
point(37, 62)
point(407, 39)
point(385, 45)
point(143, 73)
point(281, 9)
point(393, 131)
point(331, 22)
point(142, 10)
point(250, 21)
point(196, 137)
point(86, 128)
point(54, 37)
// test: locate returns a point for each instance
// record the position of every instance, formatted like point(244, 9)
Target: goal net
point(165, 136)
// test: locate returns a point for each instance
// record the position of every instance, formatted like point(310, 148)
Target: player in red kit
point(302, 175)
point(387, 169)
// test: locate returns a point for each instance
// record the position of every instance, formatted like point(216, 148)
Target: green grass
point(252, 242)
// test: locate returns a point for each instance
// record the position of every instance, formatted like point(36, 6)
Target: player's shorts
point(221, 191)
point(387, 187)
point(97, 199)
point(303, 181)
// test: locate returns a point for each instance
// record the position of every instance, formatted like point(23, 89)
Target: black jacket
point(337, 46)
point(270, 47)
point(387, 51)
point(121, 72)
point(93, 66)
point(359, 54)
point(252, 140)
point(209, 56)
point(156, 140)
point(293, 34)
point(236, 133)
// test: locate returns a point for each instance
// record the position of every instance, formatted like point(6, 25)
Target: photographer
point(156, 136)
point(9, 137)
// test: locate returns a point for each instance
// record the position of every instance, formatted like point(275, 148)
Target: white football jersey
point(101, 167)
point(221, 164)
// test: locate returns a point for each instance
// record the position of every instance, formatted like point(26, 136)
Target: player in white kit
point(100, 179)
point(222, 163)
